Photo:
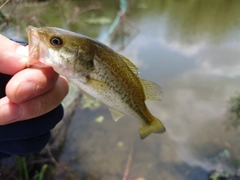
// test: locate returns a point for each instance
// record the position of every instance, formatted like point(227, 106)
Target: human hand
point(30, 92)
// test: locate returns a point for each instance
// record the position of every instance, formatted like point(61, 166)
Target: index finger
point(13, 56)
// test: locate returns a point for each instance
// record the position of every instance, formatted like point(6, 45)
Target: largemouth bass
point(98, 71)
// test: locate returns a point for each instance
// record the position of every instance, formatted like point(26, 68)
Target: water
point(191, 49)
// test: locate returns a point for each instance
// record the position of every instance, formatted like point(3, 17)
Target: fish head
point(68, 53)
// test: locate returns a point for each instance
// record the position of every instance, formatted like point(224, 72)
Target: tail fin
point(156, 126)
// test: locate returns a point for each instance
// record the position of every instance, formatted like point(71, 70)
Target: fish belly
point(105, 95)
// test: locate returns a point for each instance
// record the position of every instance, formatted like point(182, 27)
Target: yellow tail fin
point(155, 127)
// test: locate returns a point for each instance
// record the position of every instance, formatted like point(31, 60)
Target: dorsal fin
point(152, 90)
point(129, 64)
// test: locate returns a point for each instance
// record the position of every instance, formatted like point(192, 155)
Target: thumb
point(13, 56)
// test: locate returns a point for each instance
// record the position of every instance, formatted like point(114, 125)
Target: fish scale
point(122, 87)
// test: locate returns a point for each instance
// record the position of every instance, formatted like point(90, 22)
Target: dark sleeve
point(26, 136)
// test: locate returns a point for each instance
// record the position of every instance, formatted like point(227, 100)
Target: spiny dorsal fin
point(115, 114)
point(129, 64)
point(152, 90)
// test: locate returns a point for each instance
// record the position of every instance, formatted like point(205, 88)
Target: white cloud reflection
point(221, 61)
point(187, 50)
point(193, 109)
point(196, 102)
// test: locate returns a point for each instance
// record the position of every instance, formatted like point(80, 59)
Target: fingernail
point(25, 90)
point(9, 113)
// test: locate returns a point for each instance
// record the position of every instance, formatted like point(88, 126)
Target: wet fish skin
point(98, 71)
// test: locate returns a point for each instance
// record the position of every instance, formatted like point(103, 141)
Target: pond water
point(191, 49)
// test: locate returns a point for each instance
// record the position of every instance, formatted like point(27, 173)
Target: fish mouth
point(34, 48)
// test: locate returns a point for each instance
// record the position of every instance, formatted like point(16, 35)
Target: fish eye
point(56, 41)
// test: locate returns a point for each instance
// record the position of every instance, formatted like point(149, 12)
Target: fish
point(98, 71)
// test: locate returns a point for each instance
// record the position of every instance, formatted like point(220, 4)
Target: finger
point(12, 112)
point(13, 56)
point(46, 102)
point(30, 83)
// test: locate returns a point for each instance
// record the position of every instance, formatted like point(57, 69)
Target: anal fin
point(115, 114)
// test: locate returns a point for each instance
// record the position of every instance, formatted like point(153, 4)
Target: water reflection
point(233, 120)
point(188, 48)
point(191, 49)
point(221, 61)
point(190, 22)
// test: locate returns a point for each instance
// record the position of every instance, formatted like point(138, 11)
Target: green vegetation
point(233, 114)
point(89, 103)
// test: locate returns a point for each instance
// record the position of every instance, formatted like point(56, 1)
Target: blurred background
point(190, 48)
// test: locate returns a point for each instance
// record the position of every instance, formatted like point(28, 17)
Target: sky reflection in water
point(191, 50)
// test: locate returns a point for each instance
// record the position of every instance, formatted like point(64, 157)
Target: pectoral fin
point(152, 90)
point(99, 86)
point(115, 114)
point(92, 85)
